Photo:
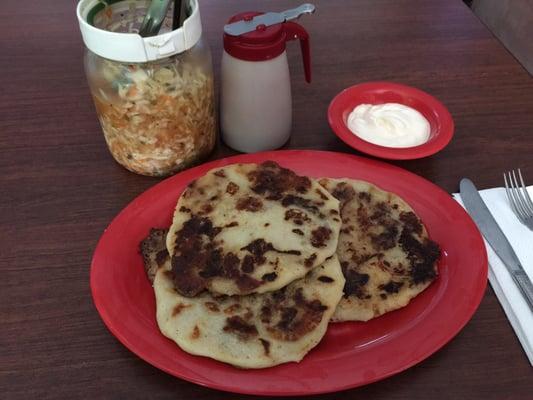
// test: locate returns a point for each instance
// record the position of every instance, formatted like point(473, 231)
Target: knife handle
point(525, 286)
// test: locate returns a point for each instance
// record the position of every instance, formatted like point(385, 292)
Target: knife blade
point(490, 229)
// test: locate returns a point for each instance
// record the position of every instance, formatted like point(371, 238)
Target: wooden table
point(60, 187)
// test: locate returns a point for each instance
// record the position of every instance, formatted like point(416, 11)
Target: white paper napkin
point(521, 238)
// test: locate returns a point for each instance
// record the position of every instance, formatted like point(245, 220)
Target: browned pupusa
point(256, 330)
point(154, 251)
point(384, 250)
point(248, 228)
point(252, 331)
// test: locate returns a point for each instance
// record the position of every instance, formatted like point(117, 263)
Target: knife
point(488, 226)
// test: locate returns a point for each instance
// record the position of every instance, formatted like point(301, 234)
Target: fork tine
point(526, 196)
point(521, 203)
point(510, 197)
point(516, 194)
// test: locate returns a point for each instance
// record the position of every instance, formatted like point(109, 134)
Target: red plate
point(351, 354)
point(440, 120)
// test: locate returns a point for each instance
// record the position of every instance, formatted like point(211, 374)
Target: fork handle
point(526, 287)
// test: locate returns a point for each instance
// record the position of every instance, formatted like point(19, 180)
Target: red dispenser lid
point(267, 42)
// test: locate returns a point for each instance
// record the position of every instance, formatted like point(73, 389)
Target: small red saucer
point(434, 111)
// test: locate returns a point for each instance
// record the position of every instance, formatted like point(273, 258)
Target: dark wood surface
point(60, 187)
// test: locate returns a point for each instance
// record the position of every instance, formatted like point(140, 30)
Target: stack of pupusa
point(253, 278)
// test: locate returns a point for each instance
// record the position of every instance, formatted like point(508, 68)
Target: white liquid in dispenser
point(256, 106)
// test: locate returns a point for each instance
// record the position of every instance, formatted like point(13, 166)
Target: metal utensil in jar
point(154, 17)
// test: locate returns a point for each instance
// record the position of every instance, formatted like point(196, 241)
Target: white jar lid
point(131, 47)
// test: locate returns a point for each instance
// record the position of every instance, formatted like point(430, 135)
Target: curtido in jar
point(154, 96)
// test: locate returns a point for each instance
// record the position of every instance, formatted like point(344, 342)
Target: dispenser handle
point(295, 31)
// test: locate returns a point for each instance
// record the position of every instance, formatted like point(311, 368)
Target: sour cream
point(390, 125)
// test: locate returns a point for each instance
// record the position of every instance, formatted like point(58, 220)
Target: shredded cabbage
point(157, 118)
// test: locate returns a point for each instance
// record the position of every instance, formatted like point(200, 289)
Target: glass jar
point(158, 115)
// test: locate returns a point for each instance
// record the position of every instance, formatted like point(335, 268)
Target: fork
point(519, 197)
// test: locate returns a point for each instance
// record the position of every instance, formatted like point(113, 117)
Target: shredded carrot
point(162, 121)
